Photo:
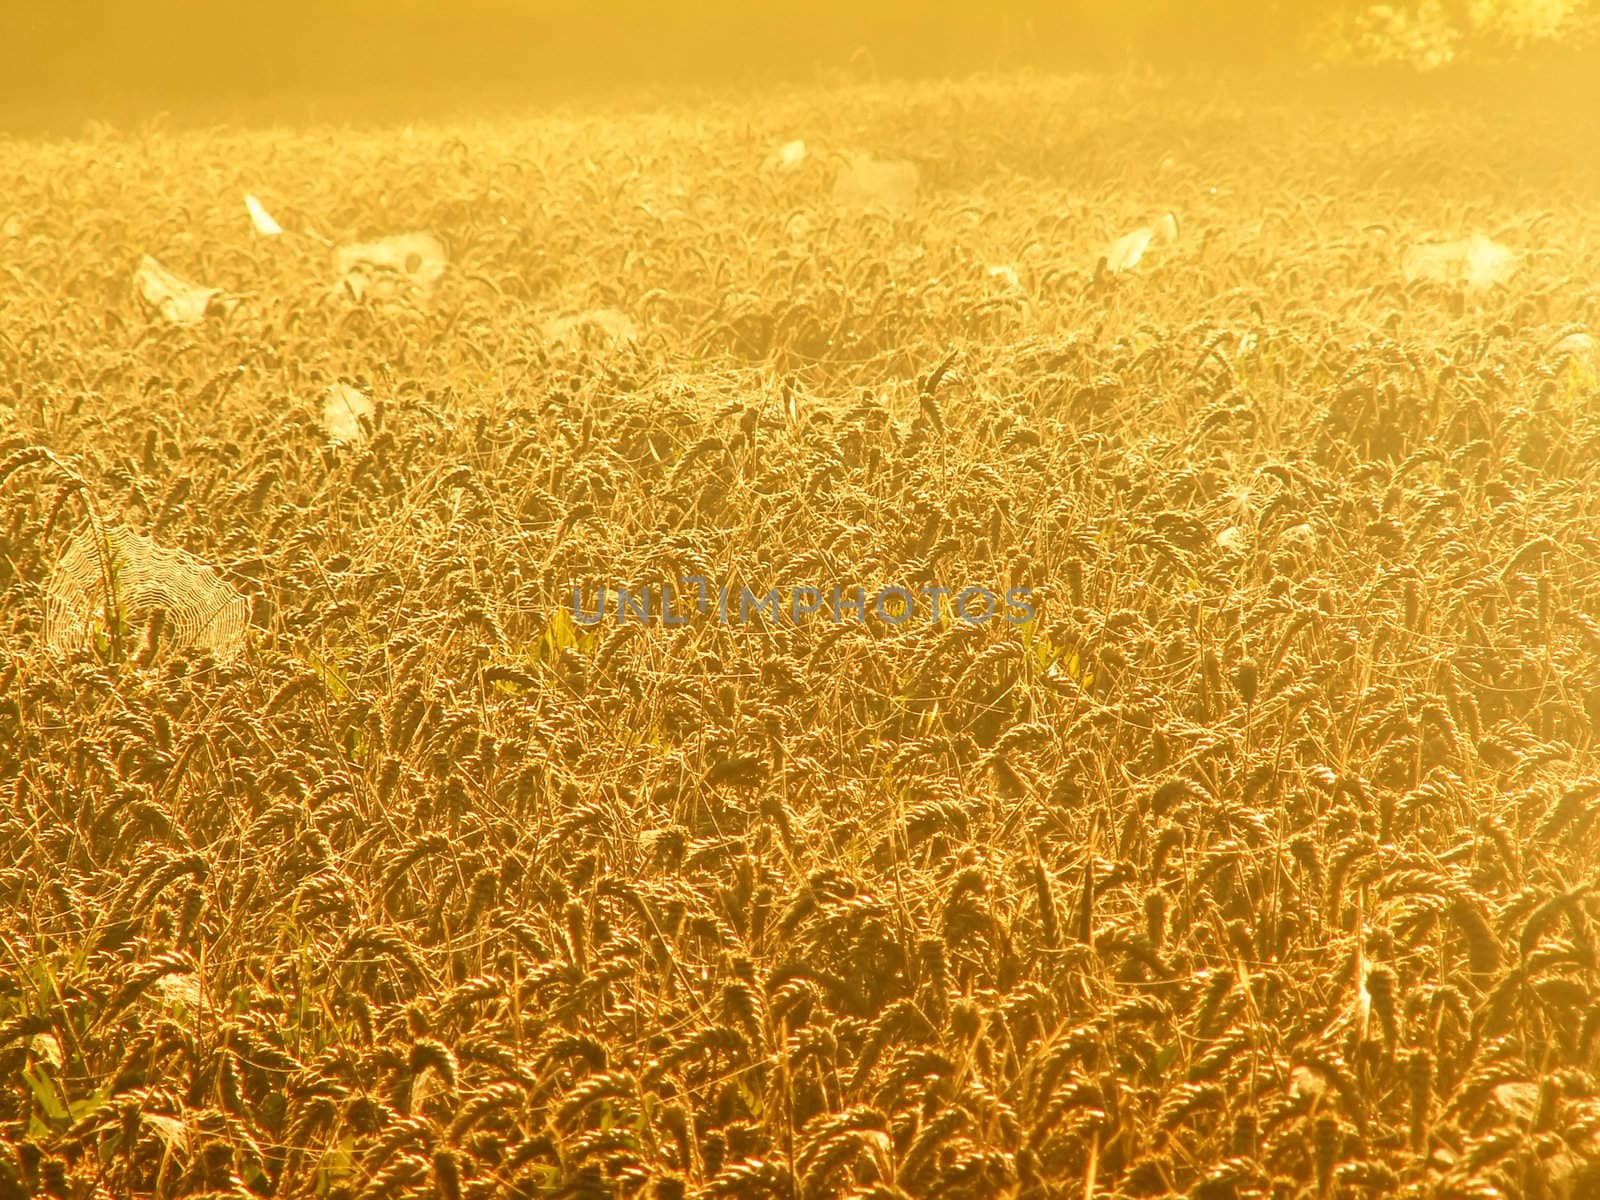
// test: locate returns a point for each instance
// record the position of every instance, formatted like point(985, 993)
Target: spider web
point(392, 267)
point(200, 610)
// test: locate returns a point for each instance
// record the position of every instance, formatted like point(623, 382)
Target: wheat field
point(340, 857)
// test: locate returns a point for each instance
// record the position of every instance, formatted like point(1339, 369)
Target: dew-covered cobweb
point(199, 610)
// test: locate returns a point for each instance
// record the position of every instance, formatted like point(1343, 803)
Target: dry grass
point(1260, 865)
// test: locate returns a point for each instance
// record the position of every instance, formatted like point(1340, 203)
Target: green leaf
point(87, 1106)
point(46, 1093)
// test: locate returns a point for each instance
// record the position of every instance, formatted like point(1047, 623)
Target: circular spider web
point(198, 609)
